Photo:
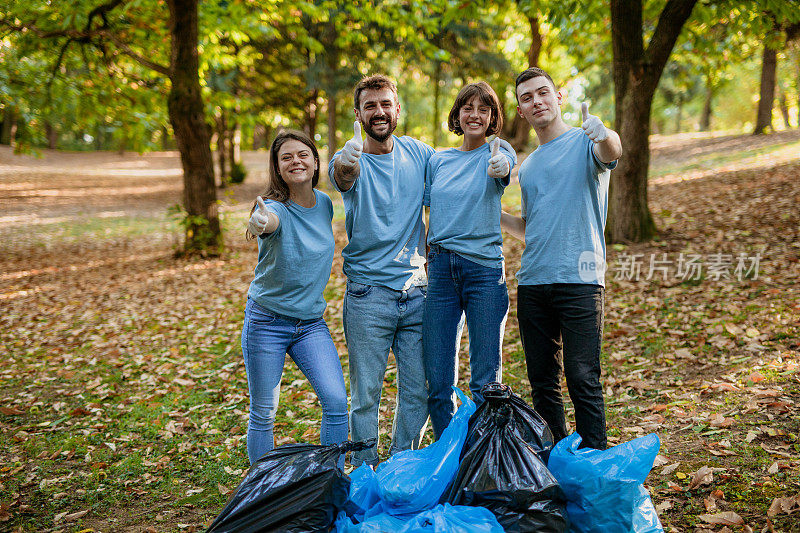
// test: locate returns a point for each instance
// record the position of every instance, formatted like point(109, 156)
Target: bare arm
point(610, 149)
point(514, 226)
point(345, 175)
point(262, 220)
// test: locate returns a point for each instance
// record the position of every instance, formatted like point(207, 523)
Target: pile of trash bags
point(494, 469)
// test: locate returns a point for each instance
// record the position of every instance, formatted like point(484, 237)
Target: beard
point(380, 137)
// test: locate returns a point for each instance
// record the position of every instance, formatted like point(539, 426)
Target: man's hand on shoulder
point(607, 145)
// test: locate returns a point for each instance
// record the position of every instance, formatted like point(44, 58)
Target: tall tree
point(637, 71)
point(122, 28)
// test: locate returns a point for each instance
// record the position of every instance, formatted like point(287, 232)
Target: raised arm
point(346, 168)
point(261, 220)
point(607, 145)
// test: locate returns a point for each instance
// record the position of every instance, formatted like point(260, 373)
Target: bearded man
point(382, 181)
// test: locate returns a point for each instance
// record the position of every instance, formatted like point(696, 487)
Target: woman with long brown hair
point(292, 224)
point(466, 273)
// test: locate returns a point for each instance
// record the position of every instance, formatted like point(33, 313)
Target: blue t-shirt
point(465, 204)
point(294, 261)
point(383, 217)
point(564, 204)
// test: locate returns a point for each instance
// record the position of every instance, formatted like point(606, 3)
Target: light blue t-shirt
point(294, 261)
point(564, 204)
point(465, 204)
point(383, 217)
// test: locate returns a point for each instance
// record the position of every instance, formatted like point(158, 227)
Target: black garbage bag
point(293, 488)
point(502, 472)
point(526, 422)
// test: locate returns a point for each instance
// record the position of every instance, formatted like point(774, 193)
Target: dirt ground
point(710, 365)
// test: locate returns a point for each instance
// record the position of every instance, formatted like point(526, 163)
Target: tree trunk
point(52, 135)
point(767, 94)
point(222, 152)
point(783, 105)
point(310, 114)
point(516, 129)
point(679, 114)
point(187, 116)
point(705, 117)
point(235, 144)
point(636, 74)
point(9, 129)
point(437, 76)
point(331, 123)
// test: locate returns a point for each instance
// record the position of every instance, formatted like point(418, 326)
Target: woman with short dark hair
point(284, 303)
point(466, 273)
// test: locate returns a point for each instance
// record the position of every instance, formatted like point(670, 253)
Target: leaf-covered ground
point(123, 400)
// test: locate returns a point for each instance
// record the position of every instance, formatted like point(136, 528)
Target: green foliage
point(238, 173)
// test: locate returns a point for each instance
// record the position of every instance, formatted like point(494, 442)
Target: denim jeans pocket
point(259, 315)
point(358, 290)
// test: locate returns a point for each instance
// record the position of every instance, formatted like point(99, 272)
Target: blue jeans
point(562, 323)
point(459, 286)
point(377, 319)
point(266, 339)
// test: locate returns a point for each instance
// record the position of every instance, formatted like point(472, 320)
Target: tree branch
point(670, 22)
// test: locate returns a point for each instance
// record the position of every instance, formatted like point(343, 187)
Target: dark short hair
point(487, 95)
point(373, 83)
point(530, 73)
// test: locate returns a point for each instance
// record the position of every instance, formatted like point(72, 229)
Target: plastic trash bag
point(604, 487)
point(454, 519)
point(527, 423)
point(414, 480)
point(364, 493)
point(293, 488)
point(441, 519)
point(380, 523)
point(503, 473)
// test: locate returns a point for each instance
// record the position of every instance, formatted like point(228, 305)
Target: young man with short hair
point(382, 181)
point(564, 185)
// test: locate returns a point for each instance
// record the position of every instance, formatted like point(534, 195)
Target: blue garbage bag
point(379, 523)
point(604, 488)
point(448, 518)
point(444, 518)
point(413, 480)
point(364, 493)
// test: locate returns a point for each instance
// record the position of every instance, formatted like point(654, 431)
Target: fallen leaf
point(728, 518)
point(10, 411)
point(669, 469)
point(786, 505)
point(773, 468)
point(703, 476)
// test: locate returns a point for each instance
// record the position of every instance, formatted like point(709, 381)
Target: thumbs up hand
point(498, 163)
point(592, 126)
point(259, 219)
point(352, 148)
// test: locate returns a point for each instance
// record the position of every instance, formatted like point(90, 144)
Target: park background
point(133, 141)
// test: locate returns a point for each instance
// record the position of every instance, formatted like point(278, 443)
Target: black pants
point(564, 322)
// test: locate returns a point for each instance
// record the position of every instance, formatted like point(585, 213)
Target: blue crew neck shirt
point(564, 204)
point(465, 204)
point(294, 261)
point(383, 217)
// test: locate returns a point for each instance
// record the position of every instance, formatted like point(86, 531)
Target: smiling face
point(474, 117)
point(378, 111)
point(296, 164)
point(539, 102)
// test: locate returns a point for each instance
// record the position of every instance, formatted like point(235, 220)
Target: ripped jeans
point(458, 288)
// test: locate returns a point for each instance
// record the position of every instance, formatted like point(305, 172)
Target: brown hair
point(487, 95)
point(277, 189)
point(530, 73)
point(372, 83)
